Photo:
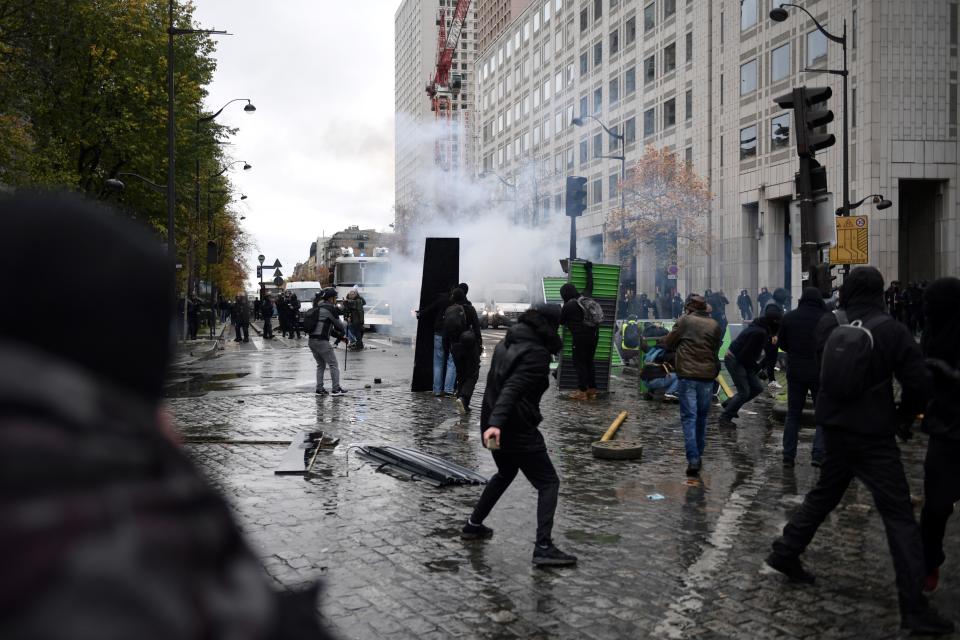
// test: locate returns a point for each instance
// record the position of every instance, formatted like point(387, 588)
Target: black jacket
point(519, 375)
point(433, 312)
point(798, 336)
point(744, 302)
point(571, 314)
point(748, 346)
point(473, 321)
point(895, 353)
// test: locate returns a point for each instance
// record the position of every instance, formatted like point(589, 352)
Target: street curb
point(778, 413)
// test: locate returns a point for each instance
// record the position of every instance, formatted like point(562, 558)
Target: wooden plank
point(297, 456)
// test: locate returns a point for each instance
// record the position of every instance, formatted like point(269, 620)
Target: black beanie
point(457, 296)
point(77, 251)
point(463, 287)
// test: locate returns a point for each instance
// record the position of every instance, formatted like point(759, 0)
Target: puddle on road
point(598, 537)
point(197, 384)
point(443, 566)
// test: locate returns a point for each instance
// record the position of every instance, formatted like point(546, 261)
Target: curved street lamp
point(115, 184)
point(878, 200)
point(578, 122)
point(246, 167)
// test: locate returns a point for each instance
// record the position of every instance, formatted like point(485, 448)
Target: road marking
point(701, 574)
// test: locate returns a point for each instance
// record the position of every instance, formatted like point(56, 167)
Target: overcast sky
point(321, 141)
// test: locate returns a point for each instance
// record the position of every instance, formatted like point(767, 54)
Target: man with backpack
point(695, 339)
point(322, 323)
point(631, 339)
point(797, 337)
point(581, 315)
point(519, 375)
point(743, 361)
point(462, 337)
point(862, 349)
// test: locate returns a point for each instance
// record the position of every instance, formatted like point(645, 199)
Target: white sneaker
point(461, 407)
point(774, 385)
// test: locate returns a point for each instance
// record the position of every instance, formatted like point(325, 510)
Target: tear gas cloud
point(495, 247)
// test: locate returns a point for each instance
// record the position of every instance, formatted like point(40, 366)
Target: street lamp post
point(779, 14)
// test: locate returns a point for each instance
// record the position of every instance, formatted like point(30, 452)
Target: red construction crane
point(445, 86)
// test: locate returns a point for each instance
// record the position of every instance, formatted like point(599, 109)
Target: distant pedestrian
point(193, 317)
point(763, 299)
point(745, 305)
point(323, 324)
point(743, 361)
point(519, 375)
point(466, 354)
point(862, 351)
point(676, 305)
point(798, 338)
point(293, 315)
point(283, 314)
point(781, 297)
point(941, 420)
point(257, 308)
point(695, 339)
point(718, 308)
point(267, 311)
point(353, 306)
point(585, 336)
point(241, 319)
point(643, 307)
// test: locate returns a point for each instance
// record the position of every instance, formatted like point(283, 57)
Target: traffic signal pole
point(576, 204)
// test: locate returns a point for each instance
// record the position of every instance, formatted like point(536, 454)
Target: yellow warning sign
point(853, 241)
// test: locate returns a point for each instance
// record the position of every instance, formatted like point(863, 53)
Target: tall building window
point(649, 122)
point(583, 107)
point(584, 152)
point(748, 142)
point(558, 122)
point(670, 58)
point(536, 22)
point(853, 30)
point(630, 31)
point(853, 107)
point(630, 80)
point(748, 14)
point(612, 190)
point(597, 191)
point(780, 63)
point(614, 41)
point(689, 47)
point(630, 131)
point(688, 156)
point(597, 9)
point(816, 48)
point(748, 77)
point(650, 69)
point(613, 142)
point(688, 104)
point(669, 8)
point(598, 100)
point(570, 158)
point(526, 30)
point(614, 91)
point(597, 53)
point(649, 16)
point(669, 113)
point(584, 65)
point(597, 145)
point(780, 132)
point(584, 21)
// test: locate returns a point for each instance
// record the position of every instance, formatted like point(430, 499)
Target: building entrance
point(921, 209)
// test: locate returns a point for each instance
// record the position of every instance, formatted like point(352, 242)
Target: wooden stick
point(613, 427)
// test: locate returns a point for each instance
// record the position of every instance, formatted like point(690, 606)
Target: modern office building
point(416, 25)
point(700, 77)
point(493, 16)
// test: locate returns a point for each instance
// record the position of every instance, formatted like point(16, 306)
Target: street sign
point(277, 274)
point(853, 241)
point(276, 264)
point(824, 228)
point(278, 281)
point(261, 258)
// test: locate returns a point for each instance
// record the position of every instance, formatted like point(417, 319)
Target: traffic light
point(821, 277)
point(259, 272)
point(809, 113)
point(576, 196)
point(213, 256)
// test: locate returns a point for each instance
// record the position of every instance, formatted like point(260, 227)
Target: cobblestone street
point(393, 566)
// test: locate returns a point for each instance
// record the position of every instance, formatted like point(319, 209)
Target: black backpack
point(847, 356)
point(310, 320)
point(631, 335)
point(454, 322)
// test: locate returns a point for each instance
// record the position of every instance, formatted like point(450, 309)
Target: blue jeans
point(442, 383)
point(669, 383)
point(695, 397)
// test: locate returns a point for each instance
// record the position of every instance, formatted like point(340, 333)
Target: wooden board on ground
point(296, 457)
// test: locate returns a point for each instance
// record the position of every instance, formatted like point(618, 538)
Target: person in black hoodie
point(859, 438)
point(466, 350)
point(797, 337)
point(745, 304)
point(941, 420)
point(743, 361)
point(585, 338)
point(519, 375)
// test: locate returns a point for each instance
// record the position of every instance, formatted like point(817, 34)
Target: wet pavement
point(387, 549)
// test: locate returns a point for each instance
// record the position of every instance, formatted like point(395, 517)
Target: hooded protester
point(519, 375)
point(745, 304)
point(696, 340)
point(764, 298)
point(326, 326)
point(109, 530)
point(466, 353)
point(941, 420)
point(267, 310)
point(585, 338)
point(241, 319)
point(743, 361)
point(798, 339)
point(855, 408)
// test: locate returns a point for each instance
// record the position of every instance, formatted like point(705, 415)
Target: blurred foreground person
point(941, 420)
point(519, 375)
point(862, 349)
point(107, 529)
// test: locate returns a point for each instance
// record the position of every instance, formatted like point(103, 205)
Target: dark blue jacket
point(748, 346)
